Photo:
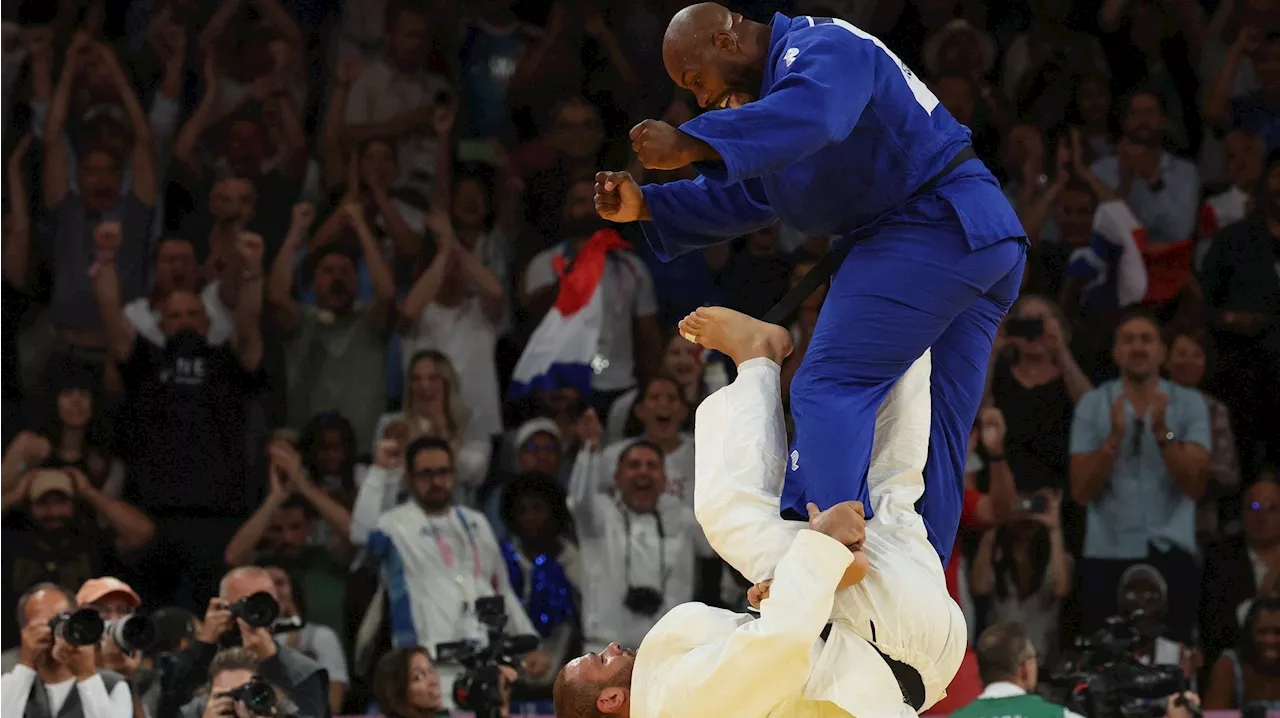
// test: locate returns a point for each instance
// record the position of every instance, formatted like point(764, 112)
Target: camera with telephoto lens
point(1106, 679)
point(82, 628)
point(257, 695)
point(478, 688)
point(643, 600)
point(132, 633)
point(259, 610)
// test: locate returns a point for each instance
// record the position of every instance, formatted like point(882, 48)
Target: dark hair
point(541, 486)
point(1138, 312)
point(391, 683)
point(482, 175)
point(233, 659)
point(1004, 567)
point(575, 701)
point(64, 373)
point(42, 586)
point(640, 444)
point(1195, 332)
point(1002, 649)
point(633, 425)
point(309, 442)
point(1268, 604)
point(318, 255)
point(425, 443)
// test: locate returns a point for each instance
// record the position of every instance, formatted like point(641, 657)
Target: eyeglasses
point(431, 473)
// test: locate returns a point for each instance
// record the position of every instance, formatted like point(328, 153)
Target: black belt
point(830, 262)
point(909, 680)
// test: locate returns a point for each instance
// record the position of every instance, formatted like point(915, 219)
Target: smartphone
point(1024, 328)
point(1034, 504)
point(482, 151)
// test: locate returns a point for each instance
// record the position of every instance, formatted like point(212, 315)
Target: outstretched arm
point(692, 214)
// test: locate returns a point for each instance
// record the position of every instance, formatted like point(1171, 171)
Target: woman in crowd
point(1025, 570)
point(76, 430)
point(683, 361)
point(658, 417)
point(546, 571)
point(1249, 679)
point(406, 685)
point(328, 448)
point(316, 641)
point(1186, 365)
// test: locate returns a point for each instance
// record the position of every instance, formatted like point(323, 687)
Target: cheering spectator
point(1139, 461)
point(176, 270)
point(456, 308)
point(337, 338)
point(1245, 679)
point(278, 532)
point(683, 361)
point(407, 685)
point(657, 418)
point(52, 674)
point(316, 641)
point(1025, 569)
point(1241, 568)
point(186, 417)
point(638, 549)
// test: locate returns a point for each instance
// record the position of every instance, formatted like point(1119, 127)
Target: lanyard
point(446, 552)
point(662, 547)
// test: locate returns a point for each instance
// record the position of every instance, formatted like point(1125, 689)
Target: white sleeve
point(1118, 225)
point(583, 499)
point(768, 661)
point(97, 703)
point(15, 688)
point(377, 494)
point(329, 654)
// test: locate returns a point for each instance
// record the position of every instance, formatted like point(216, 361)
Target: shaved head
point(716, 54)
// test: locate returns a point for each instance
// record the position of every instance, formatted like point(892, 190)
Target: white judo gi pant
point(902, 606)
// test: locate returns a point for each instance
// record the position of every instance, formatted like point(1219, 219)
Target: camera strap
point(446, 552)
point(662, 547)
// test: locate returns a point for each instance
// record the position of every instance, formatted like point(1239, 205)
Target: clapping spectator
point(338, 338)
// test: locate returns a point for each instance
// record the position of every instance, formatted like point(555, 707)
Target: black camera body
point(257, 695)
point(478, 688)
point(82, 628)
point(1106, 680)
point(644, 600)
point(259, 610)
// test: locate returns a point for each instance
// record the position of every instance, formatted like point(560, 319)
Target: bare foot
point(736, 334)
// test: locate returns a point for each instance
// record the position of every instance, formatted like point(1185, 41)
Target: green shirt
point(1027, 705)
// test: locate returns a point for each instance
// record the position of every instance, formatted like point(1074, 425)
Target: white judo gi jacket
point(700, 661)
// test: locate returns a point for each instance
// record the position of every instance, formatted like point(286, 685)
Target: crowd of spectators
point(268, 266)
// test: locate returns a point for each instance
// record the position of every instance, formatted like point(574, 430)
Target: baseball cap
point(96, 589)
point(49, 480)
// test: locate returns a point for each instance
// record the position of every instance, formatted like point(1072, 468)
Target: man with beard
point(336, 339)
point(820, 125)
point(437, 558)
point(185, 420)
point(1161, 189)
point(1139, 462)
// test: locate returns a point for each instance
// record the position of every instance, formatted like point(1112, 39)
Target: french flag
point(1111, 269)
point(562, 348)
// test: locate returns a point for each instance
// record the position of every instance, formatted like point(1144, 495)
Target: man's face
point(53, 511)
point(540, 453)
point(183, 310)
point(243, 585)
point(1074, 214)
point(1262, 514)
point(716, 70)
point(175, 267)
point(246, 148)
point(98, 175)
point(335, 283)
point(1144, 121)
point(1244, 157)
point(1138, 349)
point(608, 669)
point(641, 478)
point(233, 200)
point(113, 606)
point(409, 40)
point(430, 479)
point(578, 133)
point(227, 681)
point(287, 534)
point(1142, 593)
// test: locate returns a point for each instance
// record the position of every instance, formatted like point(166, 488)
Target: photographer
point(1007, 663)
point(237, 690)
point(304, 680)
point(54, 676)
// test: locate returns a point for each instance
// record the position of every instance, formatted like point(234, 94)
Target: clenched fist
point(659, 146)
point(619, 199)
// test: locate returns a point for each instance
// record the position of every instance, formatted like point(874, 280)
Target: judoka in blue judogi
point(816, 123)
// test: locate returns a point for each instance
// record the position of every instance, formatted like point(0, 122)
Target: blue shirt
point(842, 135)
point(1140, 505)
point(1170, 212)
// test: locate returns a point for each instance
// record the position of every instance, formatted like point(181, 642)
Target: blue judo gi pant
point(910, 283)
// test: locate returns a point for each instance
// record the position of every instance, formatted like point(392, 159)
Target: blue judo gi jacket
point(842, 135)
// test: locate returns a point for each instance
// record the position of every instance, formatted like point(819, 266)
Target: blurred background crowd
point(268, 266)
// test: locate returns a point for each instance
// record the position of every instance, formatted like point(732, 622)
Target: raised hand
point(107, 237)
point(251, 248)
point(304, 214)
point(659, 146)
point(589, 430)
point(618, 197)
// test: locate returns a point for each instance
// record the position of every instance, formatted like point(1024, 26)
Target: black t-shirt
point(68, 558)
point(1039, 423)
point(15, 306)
point(186, 419)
